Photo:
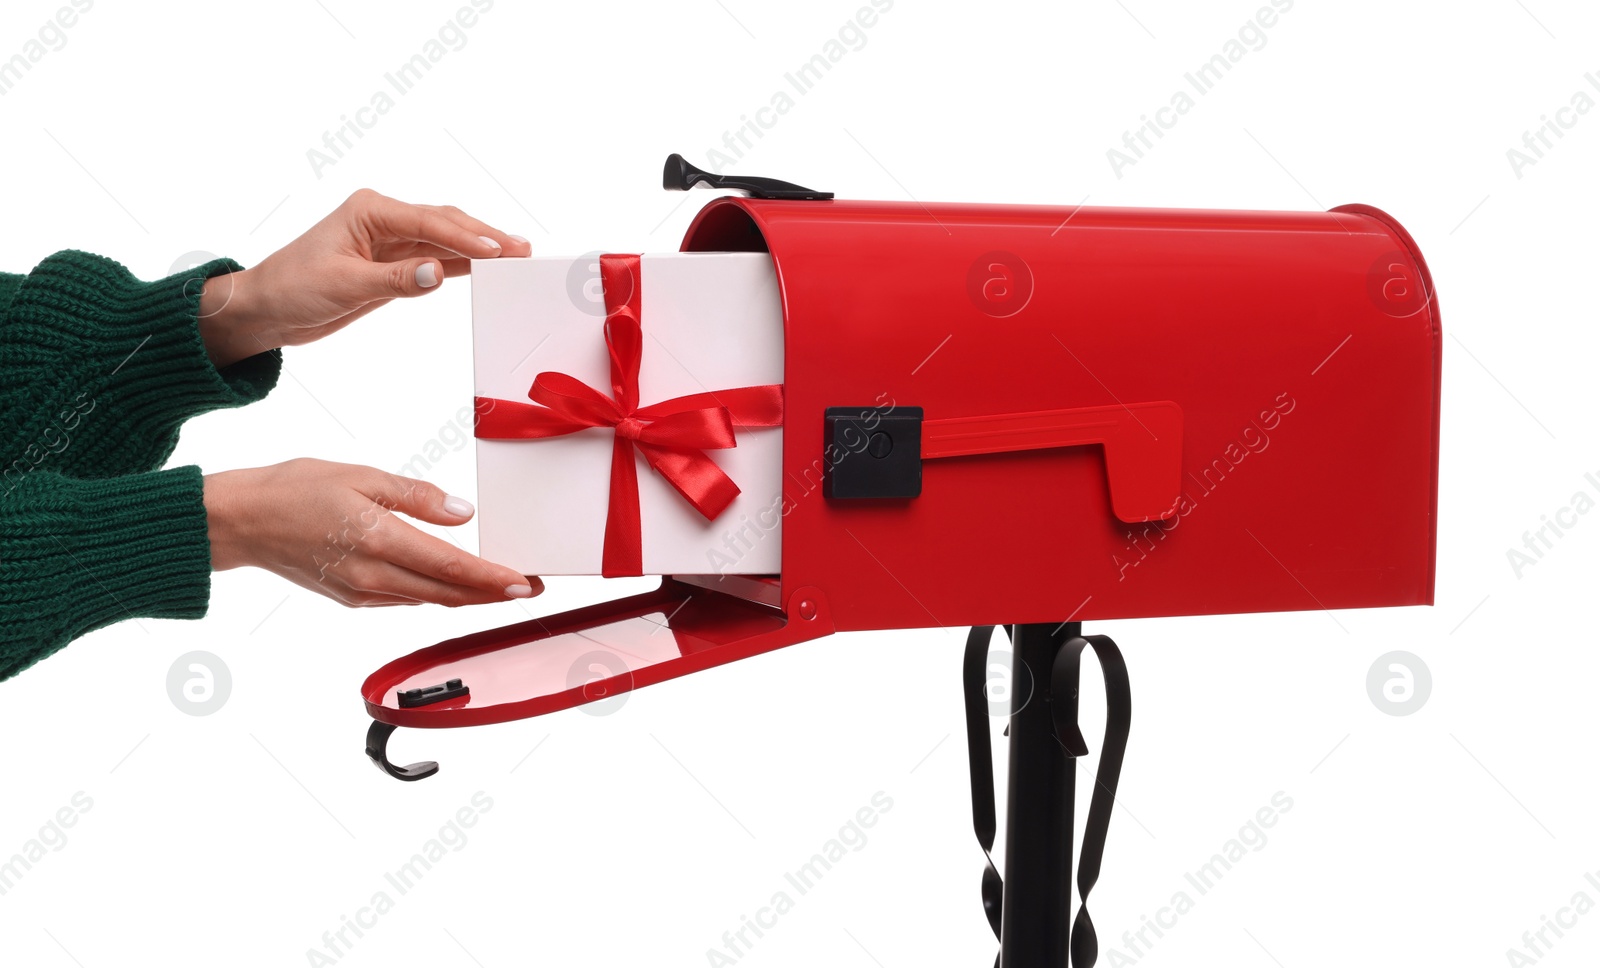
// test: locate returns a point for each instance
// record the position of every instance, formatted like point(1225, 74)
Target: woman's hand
point(332, 528)
point(370, 250)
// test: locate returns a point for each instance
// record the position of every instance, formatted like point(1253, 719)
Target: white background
point(640, 837)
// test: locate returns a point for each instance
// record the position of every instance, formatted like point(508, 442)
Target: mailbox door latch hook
point(378, 750)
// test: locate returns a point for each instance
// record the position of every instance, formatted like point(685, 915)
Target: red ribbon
point(673, 435)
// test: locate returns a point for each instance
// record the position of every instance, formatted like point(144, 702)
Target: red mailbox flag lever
point(1143, 446)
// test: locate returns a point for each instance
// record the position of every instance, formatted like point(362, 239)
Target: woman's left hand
point(368, 251)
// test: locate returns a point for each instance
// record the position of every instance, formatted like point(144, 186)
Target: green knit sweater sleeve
point(9, 281)
point(82, 554)
point(98, 370)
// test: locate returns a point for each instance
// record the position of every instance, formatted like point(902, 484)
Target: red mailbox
point(1032, 416)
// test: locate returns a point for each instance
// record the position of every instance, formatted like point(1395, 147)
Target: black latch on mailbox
point(426, 696)
point(870, 454)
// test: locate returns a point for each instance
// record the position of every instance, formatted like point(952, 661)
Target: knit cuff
point(142, 337)
point(82, 554)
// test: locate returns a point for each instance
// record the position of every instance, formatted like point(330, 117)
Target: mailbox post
point(1039, 796)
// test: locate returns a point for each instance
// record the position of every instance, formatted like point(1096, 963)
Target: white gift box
point(711, 321)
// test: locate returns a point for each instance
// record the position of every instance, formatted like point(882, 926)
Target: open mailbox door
point(1028, 417)
point(525, 669)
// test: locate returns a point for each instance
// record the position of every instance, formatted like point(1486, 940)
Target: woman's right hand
point(331, 528)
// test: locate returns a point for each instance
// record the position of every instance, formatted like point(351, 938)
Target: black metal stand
point(1039, 804)
point(1030, 910)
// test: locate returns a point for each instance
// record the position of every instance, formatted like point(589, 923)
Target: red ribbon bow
point(673, 435)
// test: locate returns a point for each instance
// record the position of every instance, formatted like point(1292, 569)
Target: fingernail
point(488, 241)
point(458, 506)
point(427, 276)
point(518, 238)
point(519, 591)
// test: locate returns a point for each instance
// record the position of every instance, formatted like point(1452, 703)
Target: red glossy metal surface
point(545, 665)
point(1302, 348)
point(1143, 447)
